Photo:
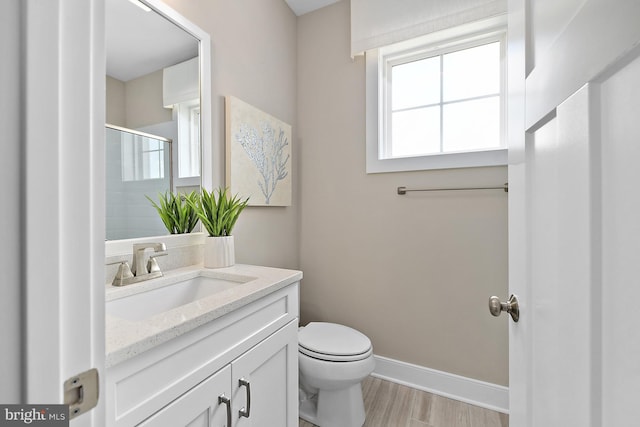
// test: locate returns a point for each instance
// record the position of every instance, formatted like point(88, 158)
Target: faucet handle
point(159, 253)
point(124, 273)
point(117, 260)
point(152, 264)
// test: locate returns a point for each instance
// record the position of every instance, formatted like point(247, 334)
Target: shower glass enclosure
point(138, 165)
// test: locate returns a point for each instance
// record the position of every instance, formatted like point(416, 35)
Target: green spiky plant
point(218, 211)
point(176, 211)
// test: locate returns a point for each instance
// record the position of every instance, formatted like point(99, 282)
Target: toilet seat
point(334, 343)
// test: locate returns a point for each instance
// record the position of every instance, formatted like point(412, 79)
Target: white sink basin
point(158, 300)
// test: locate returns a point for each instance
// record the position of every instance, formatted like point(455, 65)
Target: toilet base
point(308, 410)
point(335, 408)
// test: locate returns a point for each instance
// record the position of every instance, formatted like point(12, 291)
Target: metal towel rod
point(405, 190)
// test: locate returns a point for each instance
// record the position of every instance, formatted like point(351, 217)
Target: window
point(189, 139)
point(437, 103)
point(142, 158)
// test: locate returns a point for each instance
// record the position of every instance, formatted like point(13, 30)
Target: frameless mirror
point(153, 113)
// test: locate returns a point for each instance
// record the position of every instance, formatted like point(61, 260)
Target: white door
point(62, 113)
point(574, 141)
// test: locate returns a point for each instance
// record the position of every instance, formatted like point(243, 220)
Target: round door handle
point(496, 307)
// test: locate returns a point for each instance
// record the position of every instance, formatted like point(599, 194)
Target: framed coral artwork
point(258, 160)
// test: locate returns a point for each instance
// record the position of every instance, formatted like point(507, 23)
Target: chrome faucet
point(142, 268)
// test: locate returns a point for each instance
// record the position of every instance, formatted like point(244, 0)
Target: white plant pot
point(219, 252)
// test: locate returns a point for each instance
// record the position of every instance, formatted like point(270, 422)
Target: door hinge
point(81, 392)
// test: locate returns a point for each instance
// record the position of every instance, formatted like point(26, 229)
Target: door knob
point(496, 307)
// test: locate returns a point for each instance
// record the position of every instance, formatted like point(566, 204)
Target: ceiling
point(300, 7)
point(140, 42)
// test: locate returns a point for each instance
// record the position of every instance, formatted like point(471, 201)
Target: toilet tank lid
point(333, 339)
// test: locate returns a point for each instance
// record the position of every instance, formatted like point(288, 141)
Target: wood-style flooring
point(392, 405)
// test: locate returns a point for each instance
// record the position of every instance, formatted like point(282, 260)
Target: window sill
point(496, 157)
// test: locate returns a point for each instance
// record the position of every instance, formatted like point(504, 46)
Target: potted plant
point(218, 212)
point(176, 211)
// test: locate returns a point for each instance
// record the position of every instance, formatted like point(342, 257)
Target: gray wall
point(253, 46)
point(413, 272)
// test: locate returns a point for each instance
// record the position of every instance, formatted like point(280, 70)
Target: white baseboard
point(468, 390)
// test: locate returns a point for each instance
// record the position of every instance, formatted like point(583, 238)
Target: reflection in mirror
point(139, 164)
point(153, 88)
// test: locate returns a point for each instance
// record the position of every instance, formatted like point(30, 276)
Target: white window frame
point(434, 44)
point(136, 159)
point(189, 139)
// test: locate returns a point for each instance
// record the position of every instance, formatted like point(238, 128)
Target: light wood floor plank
point(392, 405)
point(422, 406)
point(387, 404)
point(481, 417)
point(416, 423)
point(448, 412)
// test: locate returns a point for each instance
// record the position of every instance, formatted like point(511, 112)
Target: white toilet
point(334, 359)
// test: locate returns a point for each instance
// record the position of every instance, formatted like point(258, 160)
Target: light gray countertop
point(127, 338)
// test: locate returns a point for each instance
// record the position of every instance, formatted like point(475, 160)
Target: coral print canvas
point(258, 155)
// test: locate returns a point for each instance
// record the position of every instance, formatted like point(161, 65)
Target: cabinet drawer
point(143, 384)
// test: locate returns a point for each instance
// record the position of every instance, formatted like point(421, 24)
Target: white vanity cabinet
point(248, 356)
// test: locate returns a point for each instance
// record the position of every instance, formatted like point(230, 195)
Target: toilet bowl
point(333, 361)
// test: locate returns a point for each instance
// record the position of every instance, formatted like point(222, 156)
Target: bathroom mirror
point(157, 113)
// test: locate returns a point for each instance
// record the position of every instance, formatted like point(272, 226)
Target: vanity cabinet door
point(199, 407)
point(265, 381)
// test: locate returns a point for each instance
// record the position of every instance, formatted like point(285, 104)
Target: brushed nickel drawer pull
point(222, 399)
point(246, 413)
